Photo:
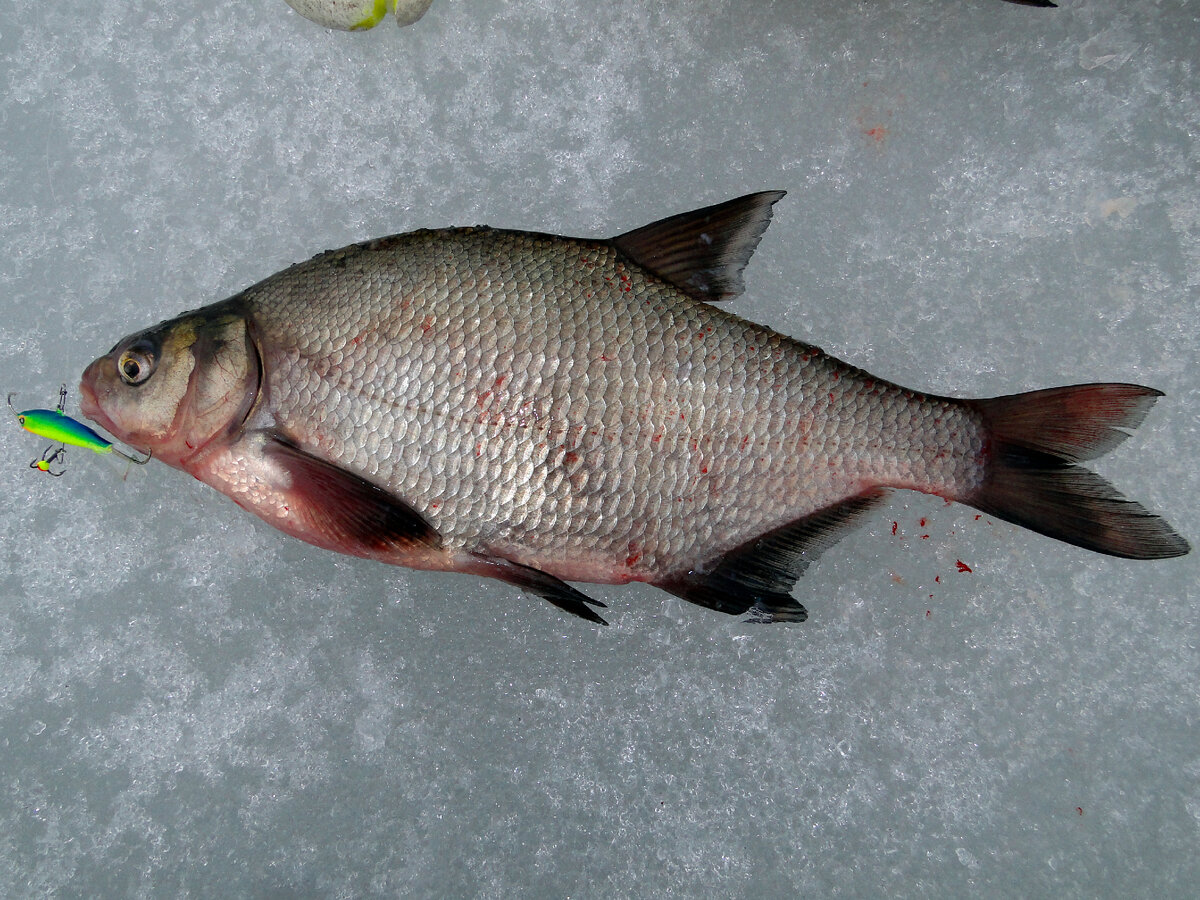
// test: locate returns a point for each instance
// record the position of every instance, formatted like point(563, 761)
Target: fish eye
point(136, 364)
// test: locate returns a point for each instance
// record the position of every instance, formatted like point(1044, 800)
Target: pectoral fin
point(348, 513)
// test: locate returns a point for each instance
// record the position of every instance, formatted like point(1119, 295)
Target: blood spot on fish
point(634, 557)
point(962, 566)
point(895, 527)
point(427, 323)
point(1079, 809)
point(928, 613)
point(923, 523)
point(500, 381)
point(570, 458)
point(937, 579)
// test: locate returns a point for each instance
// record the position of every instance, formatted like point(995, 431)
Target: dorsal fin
point(758, 576)
point(703, 252)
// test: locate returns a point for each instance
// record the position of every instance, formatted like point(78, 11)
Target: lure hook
point(134, 459)
point(48, 458)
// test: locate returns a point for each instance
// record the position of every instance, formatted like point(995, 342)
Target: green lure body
point(62, 429)
point(55, 425)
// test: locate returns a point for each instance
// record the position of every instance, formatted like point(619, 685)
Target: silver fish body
point(544, 409)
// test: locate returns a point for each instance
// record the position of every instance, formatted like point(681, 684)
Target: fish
point(543, 410)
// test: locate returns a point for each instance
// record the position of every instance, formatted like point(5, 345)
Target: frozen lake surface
point(983, 198)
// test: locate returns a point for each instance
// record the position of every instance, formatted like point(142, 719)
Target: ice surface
point(983, 198)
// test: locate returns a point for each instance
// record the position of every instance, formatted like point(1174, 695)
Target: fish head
point(175, 389)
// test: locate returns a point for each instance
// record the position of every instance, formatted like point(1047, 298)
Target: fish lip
point(87, 394)
point(89, 401)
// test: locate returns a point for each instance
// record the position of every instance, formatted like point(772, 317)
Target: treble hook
point(47, 459)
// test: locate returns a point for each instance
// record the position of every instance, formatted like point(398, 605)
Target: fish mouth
point(89, 400)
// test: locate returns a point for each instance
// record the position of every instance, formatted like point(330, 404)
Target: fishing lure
point(63, 430)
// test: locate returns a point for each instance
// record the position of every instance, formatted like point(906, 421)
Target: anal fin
point(757, 577)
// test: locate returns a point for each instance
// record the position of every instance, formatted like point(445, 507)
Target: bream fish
point(542, 409)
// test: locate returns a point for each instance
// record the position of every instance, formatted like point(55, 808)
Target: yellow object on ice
point(359, 15)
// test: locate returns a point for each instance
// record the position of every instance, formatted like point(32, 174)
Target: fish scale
point(542, 409)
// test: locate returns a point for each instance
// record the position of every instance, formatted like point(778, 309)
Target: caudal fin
point(1035, 441)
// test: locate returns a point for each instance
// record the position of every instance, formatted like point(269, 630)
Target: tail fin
point(1034, 443)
